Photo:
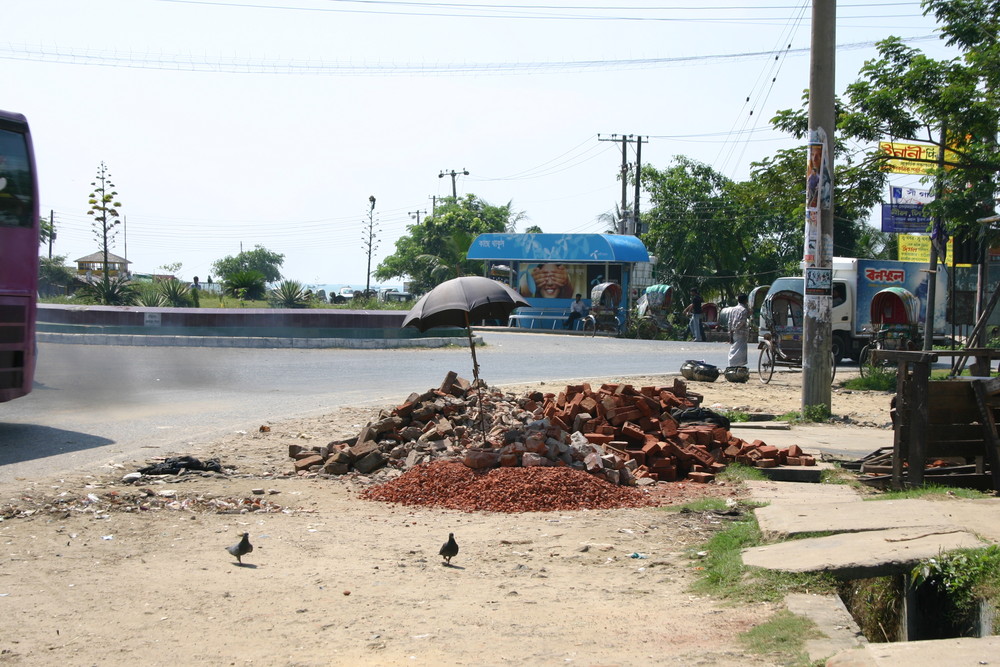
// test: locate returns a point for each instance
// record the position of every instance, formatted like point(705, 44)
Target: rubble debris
point(142, 500)
point(452, 485)
point(620, 433)
point(175, 465)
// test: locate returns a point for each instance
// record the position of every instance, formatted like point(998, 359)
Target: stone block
point(370, 462)
point(530, 460)
point(701, 477)
point(481, 459)
point(308, 462)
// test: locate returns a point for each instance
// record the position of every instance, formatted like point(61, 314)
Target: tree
point(104, 207)
point(260, 260)
point(533, 229)
point(435, 250)
point(53, 273)
point(903, 95)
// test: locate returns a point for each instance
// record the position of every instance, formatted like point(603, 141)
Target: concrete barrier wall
point(230, 322)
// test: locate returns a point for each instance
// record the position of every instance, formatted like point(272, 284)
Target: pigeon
point(243, 547)
point(450, 548)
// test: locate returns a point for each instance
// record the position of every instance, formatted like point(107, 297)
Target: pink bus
point(19, 238)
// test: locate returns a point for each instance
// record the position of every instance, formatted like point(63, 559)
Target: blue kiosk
point(549, 270)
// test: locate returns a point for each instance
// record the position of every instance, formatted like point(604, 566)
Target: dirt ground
point(88, 578)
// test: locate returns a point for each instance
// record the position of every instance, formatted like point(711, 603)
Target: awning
point(568, 248)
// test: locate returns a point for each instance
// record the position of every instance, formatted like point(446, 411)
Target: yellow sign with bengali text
point(907, 158)
point(917, 248)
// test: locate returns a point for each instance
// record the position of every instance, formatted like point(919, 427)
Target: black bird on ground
point(241, 548)
point(450, 548)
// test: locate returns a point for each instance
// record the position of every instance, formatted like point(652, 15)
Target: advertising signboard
point(875, 275)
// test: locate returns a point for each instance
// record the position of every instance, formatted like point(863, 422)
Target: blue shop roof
point(575, 248)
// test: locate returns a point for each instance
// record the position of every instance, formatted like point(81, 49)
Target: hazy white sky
point(272, 121)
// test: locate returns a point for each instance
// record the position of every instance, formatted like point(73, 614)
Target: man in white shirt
point(576, 311)
point(739, 331)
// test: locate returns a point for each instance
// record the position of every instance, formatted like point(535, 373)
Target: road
point(95, 404)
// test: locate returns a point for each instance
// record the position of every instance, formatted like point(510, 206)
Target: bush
point(289, 294)
point(245, 285)
point(119, 291)
point(174, 292)
point(149, 296)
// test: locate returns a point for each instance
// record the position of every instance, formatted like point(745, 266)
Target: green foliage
point(816, 413)
point(112, 291)
point(245, 285)
point(289, 294)
point(175, 293)
point(876, 378)
point(735, 415)
point(54, 272)
point(784, 634)
point(964, 577)
point(792, 417)
point(435, 250)
point(876, 604)
point(259, 260)
point(707, 504)
point(737, 472)
point(149, 296)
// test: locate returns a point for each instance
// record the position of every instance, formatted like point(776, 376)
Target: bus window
point(16, 207)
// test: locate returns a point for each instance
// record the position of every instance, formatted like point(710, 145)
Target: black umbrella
point(456, 303)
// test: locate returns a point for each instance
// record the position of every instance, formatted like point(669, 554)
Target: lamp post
point(369, 241)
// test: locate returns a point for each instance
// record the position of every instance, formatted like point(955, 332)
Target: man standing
point(694, 312)
point(577, 310)
point(739, 331)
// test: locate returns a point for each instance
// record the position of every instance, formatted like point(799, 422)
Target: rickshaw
point(652, 309)
point(781, 345)
point(895, 313)
point(603, 316)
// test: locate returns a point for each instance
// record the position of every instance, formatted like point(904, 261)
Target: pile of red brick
point(617, 432)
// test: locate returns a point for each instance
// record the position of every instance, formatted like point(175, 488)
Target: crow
point(450, 548)
point(242, 548)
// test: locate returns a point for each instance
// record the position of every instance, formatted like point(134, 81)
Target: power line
point(226, 65)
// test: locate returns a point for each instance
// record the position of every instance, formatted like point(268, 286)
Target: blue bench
point(540, 318)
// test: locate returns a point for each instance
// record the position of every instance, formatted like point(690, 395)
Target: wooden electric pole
point(817, 331)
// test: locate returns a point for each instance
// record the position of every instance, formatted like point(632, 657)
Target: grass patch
point(957, 581)
point(837, 475)
point(700, 505)
point(724, 575)
point(735, 415)
point(784, 636)
point(877, 378)
point(737, 472)
point(930, 490)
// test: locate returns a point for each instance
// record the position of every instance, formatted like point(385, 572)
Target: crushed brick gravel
point(451, 485)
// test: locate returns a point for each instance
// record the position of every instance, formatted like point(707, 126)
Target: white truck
point(855, 282)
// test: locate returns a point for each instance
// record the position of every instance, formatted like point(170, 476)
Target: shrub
point(245, 285)
point(174, 292)
point(289, 294)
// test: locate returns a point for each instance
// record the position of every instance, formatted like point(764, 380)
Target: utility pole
point(434, 205)
point(817, 331)
point(627, 139)
point(416, 214)
point(932, 270)
point(52, 230)
point(453, 174)
point(368, 239)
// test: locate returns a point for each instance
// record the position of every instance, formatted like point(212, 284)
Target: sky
point(228, 124)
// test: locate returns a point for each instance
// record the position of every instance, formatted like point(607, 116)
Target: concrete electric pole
point(817, 332)
point(453, 174)
point(627, 213)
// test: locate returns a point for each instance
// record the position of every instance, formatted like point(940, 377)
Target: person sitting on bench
point(577, 310)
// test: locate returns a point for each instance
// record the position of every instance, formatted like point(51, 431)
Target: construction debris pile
point(452, 485)
point(617, 432)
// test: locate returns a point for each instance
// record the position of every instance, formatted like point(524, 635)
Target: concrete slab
point(961, 652)
point(832, 619)
point(850, 442)
point(862, 555)
point(809, 474)
point(981, 517)
point(794, 493)
point(849, 517)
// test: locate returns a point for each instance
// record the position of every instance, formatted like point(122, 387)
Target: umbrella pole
point(475, 377)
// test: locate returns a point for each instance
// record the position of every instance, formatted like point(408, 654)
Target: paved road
point(94, 404)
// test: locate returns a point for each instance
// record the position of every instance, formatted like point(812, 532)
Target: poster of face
point(552, 281)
